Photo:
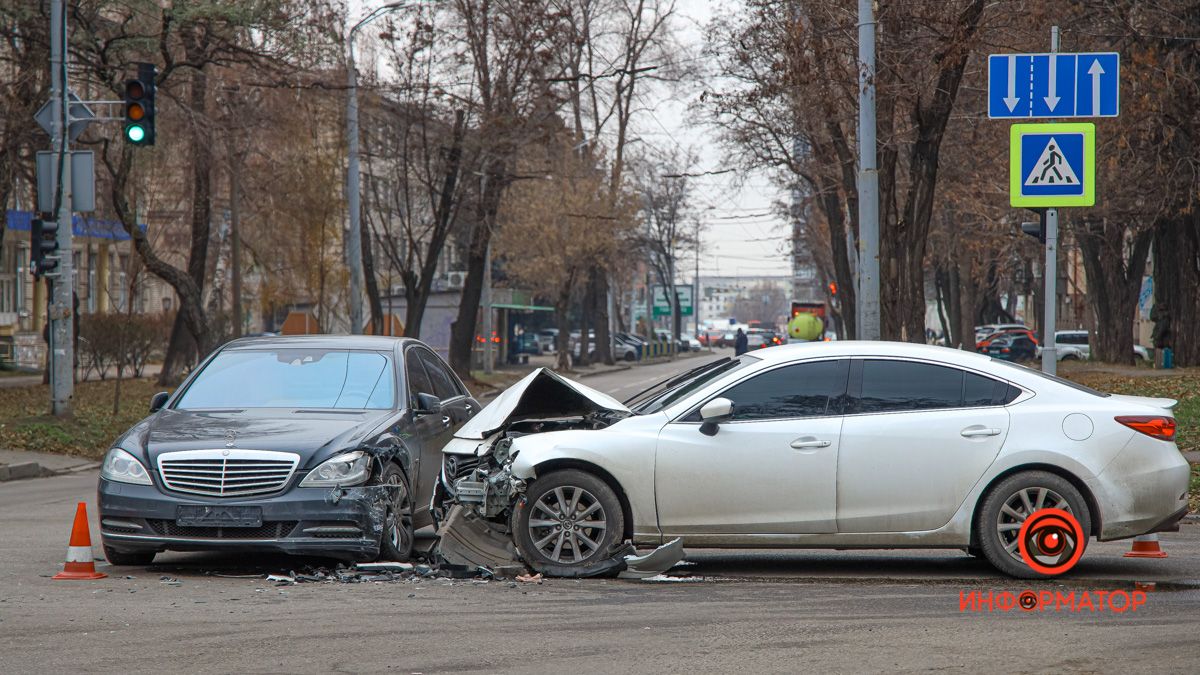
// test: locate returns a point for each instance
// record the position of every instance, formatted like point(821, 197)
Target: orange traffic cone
point(1146, 546)
point(79, 550)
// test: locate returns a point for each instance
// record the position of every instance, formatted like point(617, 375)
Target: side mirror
point(713, 413)
point(428, 404)
point(158, 401)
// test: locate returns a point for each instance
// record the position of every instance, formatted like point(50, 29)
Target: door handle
point(809, 442)
point(974, 432)
point(446, 420)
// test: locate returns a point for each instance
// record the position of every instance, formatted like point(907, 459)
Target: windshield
point(1053, 378)
point(293, 378)
point(678, 386)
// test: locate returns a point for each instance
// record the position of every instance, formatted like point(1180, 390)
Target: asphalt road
point(751, 611)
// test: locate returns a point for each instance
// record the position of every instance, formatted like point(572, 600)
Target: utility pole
point(61, 352)
point(353, 242)
point(868, 179)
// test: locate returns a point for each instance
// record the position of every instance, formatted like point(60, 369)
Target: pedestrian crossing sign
point(1052, 165)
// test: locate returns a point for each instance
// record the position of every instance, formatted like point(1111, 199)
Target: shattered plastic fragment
point(655, 562)
point(386, 566)
point(530, 578)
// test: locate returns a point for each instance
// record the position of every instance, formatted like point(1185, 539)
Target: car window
point(979, 390)
point(443, 381)
point(799, 390)
point(418, 379)
point(889, 386)
point(293, 378)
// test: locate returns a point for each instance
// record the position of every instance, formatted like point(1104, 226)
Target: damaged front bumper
point(345, 523)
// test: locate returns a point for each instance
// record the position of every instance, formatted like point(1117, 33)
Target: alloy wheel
point(400, 520)
point(567, 524)
point(1018, 507)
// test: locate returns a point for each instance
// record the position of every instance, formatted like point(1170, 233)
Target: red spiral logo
point(1051, 541)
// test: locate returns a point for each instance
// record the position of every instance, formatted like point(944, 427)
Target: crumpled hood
point(540, 394)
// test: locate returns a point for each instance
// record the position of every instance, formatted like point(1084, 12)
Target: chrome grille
point(226, 473)
point(459, 466)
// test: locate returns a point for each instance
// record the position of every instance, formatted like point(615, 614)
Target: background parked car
point(981, 344)
point(1013, 346)
point(548, 337)
point(1074, 345)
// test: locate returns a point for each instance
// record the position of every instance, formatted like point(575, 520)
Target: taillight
point(1162, 428)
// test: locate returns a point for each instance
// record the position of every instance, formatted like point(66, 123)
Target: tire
point(128, 558)
point(990, 518)
point(539, 514)
point(630, 356)
point(396, 541)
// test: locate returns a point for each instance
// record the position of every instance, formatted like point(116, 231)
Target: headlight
point(122, 467)
point(350, 468)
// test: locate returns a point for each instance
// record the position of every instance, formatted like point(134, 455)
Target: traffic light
point(1034, 230)
point(139, 106)
point(43, 245)
point(833, 288)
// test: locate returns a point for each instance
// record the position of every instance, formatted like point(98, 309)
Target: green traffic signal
point(135, 133)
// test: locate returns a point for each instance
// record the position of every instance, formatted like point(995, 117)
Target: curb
point(606, 371)
point(27, 470)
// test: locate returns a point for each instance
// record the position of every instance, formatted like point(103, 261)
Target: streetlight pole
point(868, 179)
point(353, 242)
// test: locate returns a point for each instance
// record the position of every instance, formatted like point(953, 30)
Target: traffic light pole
point(61, 352)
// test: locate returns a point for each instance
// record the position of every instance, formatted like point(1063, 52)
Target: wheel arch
point(1088, 497)
point(559, 464)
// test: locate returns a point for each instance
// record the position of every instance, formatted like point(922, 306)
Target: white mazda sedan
point(816, 445)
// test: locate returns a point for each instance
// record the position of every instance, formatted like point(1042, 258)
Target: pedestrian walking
point(740, 343)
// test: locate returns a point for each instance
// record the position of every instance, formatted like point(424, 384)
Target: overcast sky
point(741, 235)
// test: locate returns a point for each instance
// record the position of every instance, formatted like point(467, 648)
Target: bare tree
point(667, 226)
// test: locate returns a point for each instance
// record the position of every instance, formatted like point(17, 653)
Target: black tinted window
point(418, 380)
point(979, 390)
point(802, 390)
point(443, 381)
point(905, 385)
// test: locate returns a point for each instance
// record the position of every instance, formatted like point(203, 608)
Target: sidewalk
point(19, 464)
point(14, 381)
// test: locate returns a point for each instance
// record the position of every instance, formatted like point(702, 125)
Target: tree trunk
point(197, 265)
point(600, 294)
point(585, 323)
point(903, 238)
point(462, 331)
point(415, 311)
point(371, 283)
point(1114, 281)
point(1176, 278)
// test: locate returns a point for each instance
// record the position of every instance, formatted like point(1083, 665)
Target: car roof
point(373, 342)
point(849, 348)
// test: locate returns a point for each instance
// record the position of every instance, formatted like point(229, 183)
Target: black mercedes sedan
point(324, 445)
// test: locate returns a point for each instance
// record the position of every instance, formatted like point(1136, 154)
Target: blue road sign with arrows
point(1054, 85)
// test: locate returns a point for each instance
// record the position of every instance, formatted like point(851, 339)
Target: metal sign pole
point(1049, 352)
point(61, 352)
point(1049, 344)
